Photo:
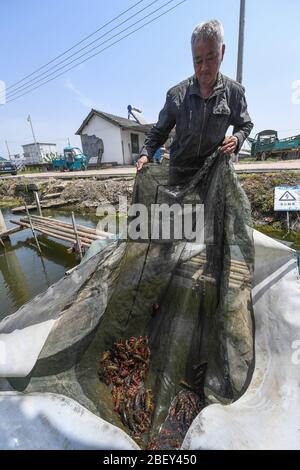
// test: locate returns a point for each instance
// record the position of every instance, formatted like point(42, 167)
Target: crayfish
point(124, 370)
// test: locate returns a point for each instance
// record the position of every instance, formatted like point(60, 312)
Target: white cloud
point(84, 100)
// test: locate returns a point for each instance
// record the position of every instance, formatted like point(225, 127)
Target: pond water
point(23, 272)
point(290, 239)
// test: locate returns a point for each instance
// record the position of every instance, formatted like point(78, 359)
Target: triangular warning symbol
point(287, 196)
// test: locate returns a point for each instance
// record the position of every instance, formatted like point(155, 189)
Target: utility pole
point(69, 142)
point(33, 135)
point(239, 75)
point(9, 156)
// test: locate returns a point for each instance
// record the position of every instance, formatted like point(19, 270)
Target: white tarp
point(267, 416)
point(50, 421)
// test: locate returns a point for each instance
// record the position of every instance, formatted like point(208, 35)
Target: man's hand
point(141, 162)
point(229, 145)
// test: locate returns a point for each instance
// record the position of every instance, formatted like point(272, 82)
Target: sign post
point(287, 198)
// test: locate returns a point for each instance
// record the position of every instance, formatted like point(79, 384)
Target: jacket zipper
point(201, 134)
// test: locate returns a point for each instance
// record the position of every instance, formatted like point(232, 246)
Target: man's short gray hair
point(209, 30)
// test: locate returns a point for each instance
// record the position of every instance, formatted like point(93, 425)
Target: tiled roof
point(117, 120)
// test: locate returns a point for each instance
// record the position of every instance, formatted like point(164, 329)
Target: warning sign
point(287, 198)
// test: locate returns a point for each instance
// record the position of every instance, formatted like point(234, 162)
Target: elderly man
point(202, 107)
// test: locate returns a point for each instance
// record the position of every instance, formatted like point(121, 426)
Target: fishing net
point(150, 330)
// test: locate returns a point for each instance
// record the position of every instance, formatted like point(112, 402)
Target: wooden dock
point(4, 231)
point(193, 271)
point(46, 205)
point(61, 230)
point(10, 231)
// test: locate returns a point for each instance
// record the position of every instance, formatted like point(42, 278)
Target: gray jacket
point(201, 124)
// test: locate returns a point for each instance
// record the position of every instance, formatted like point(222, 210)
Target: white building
point(39, 152)
point(110, 138)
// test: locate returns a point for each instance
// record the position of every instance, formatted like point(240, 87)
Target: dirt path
point(131, 171)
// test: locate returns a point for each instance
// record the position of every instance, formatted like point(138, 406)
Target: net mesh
point(189, 300)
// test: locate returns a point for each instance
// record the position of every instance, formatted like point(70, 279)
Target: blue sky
point(141, 68)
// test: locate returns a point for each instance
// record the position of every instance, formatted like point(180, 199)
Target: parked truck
point(266, 144)
point(7, 167)
point(73, 159)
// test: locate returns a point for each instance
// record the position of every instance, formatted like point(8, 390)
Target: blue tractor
point(72, 160)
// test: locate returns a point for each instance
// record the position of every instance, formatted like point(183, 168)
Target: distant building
point(110, 138)
point(39, 152)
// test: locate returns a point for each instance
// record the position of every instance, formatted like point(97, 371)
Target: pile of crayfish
point(124, 369)
point(183, 410)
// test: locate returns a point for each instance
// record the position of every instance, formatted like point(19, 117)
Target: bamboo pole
point(240, 270)
point(239, 277)
point(79, 227)
point(32, 229)
point(38, 204)
point(202, 258)
point(69, 230)
point(91, 234)
point(66, 224)
point(58, 231)
point(50, 233)
point(67, 273)
point(77, 237)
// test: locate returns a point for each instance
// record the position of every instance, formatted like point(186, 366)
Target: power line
point(13, 93)
point(44, 74)
point(75, 45)
point(102, 50)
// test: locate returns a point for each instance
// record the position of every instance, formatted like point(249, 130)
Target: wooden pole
point(38, 153)
point(8, 151)
point(60, 231)
point(68, 230)
point(38, 204)
point(64, 227)
point(77, 237)
point(239, 73)
point(3, 227)
point(81, 228)
point(32, 229)
point(50, 233)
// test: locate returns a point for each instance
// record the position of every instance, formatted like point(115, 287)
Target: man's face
point(207, 58)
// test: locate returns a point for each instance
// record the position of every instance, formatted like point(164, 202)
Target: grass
point(293, 237)
point(10, 203)
point(33, 170)
point(259, 188)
